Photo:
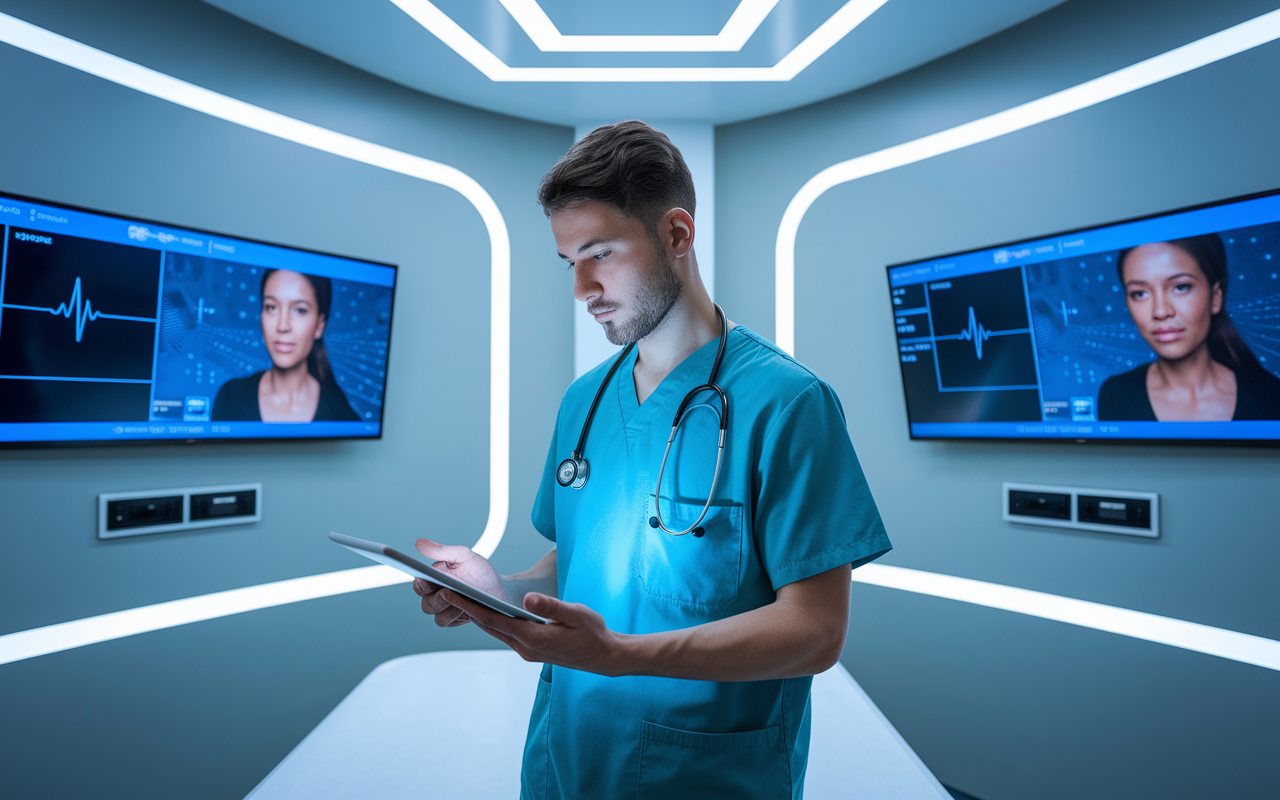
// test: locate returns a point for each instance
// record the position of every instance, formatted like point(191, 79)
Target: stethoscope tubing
point(657, 491)
point(575, 470)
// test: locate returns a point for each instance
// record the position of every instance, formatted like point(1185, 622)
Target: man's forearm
point(801, 633)
point(541, 578)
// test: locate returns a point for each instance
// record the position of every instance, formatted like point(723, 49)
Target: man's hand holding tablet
point(464, 564)
point(456, 568)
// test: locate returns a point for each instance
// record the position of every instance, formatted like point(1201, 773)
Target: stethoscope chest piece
point(573, 472)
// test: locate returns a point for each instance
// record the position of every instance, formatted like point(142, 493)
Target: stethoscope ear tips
point(653, 522)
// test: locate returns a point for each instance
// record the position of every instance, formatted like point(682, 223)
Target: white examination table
point(380, 741)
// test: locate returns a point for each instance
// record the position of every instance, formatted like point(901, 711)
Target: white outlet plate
point(187, 523)
point(1152, 532)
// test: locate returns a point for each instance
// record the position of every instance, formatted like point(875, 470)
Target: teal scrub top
point(792, 502)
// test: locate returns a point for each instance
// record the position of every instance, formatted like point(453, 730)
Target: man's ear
point(676, 231)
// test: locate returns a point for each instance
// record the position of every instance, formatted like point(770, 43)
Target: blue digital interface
point(118, 329)
point(1161, 328)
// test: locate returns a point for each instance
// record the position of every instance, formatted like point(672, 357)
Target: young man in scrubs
point(679, 666)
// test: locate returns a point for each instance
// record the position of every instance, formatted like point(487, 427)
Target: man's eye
point(602, 255)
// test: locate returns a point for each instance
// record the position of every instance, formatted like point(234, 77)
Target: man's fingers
point(434, 604)
point(425, 588)
point(451, 617)
point(478, 613)
point(552, 608)
point(443, 552)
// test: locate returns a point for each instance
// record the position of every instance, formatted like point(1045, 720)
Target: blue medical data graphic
point(974, 333)
point(81, 309)
point(977, 334)
point(211, 332)
point(1018, 341)
point(1083, 332)
point(77, 328)
point(120, 329)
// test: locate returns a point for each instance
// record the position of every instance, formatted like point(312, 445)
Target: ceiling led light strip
point(850, 16)
point(1233, 645)
point(26, 644)
point(743, 23)
point(1237, 39)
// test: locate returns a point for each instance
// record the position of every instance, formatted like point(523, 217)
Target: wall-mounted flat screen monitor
point(1163, 328)
point(116, 329)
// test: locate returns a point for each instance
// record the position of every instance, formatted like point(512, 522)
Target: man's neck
point(690, 324)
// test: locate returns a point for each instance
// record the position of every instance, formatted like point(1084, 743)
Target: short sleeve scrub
point(792, 502)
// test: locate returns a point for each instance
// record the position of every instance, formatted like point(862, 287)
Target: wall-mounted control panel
point(136, 513)
point(1102, 510)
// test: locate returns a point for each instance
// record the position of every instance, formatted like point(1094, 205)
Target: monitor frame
point(60, 443)
point(1159, 442)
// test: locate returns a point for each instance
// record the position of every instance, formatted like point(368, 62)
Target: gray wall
point(208, 709)
point(1004, 706)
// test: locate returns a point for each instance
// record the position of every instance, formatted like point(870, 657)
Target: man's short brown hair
point(630, 165)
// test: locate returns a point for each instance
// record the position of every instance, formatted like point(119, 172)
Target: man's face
point(623, 274)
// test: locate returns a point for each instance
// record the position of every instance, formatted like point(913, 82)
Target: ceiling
point(571, 62)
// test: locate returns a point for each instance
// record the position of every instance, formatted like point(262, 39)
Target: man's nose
point(585, 285)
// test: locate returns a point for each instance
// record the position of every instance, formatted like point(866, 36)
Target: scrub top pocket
point(678, 764)
point(698, 571)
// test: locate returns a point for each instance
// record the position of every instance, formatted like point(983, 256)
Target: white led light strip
point(119, 624)
point(27, 644)
point(1178, 633)
point(1237, 39)
point(740, 27)
point(848, 17)
point(1219, 642)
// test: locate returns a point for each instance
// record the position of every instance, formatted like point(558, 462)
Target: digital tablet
point(412, 566)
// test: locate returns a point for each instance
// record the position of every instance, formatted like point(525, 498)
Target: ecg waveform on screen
point(79, 308)
point(978, 334)
point(975, 332)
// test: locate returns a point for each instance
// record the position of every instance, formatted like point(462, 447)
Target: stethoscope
point(574, 470)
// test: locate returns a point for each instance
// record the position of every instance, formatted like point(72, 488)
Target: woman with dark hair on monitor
point(300, 386)
point(1176, 292)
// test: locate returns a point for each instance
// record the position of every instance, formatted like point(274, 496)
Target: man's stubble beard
point(658, 297)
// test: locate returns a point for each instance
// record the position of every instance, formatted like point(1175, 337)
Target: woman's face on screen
point(290, 321)
point(1170, 299)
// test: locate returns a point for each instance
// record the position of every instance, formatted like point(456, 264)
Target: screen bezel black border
point(1271, 443)
point(39, 445)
